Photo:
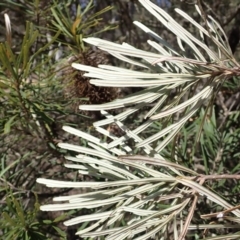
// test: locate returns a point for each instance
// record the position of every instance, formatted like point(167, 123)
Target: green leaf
point(9, 124)
point(9, 166)
point(9, 220)
point(47, 221)
point(59, 231)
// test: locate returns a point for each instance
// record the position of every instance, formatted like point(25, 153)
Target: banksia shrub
point(151, 196)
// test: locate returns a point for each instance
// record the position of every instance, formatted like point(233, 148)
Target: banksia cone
point(79, 86)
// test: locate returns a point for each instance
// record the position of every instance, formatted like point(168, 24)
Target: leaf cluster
point(154, 195)
point(19, 222)
point(161, 161)
point(33, 107)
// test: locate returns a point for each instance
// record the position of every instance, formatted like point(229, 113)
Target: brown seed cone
point(78, 86)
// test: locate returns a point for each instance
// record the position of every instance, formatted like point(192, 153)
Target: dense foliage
point(186, 129)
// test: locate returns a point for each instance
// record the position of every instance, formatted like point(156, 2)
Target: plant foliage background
point(40, 92)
